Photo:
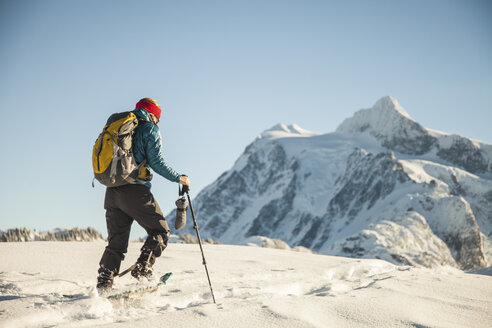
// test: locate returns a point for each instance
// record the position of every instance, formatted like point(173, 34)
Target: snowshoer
point(134, 201)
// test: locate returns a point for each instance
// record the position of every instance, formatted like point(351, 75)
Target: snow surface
point(254, 287)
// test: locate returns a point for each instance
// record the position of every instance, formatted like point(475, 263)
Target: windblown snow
point(253, 286)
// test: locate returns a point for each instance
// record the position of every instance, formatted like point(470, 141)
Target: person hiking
point(134, 201)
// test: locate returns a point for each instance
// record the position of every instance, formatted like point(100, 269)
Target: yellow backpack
point(112, 155)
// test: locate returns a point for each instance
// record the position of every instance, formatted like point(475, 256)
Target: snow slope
point(382, 186)
point(254, 287)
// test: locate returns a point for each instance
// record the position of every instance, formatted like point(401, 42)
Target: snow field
point(254, 287)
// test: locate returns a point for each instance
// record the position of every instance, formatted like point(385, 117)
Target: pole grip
point(182, 188)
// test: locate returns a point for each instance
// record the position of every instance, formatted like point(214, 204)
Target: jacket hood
point(142, 114)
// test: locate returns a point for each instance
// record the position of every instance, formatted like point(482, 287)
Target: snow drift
point(254, 287)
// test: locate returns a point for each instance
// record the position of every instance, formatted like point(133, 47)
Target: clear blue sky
point(224, 71)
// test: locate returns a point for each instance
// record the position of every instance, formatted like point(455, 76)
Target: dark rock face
point(222, 195)
point(466, 244)
point(413, 139)
point(463, 239)
point(462, 153)
point(272, 214)
point(367, 179)
point(466, 155)
point(314, 225)
point(226, 200)
point(75, 234)
point(467, 249)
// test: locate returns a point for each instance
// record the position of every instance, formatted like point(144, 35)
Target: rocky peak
point(391, 125)
point(390, 104)
point(386, 116)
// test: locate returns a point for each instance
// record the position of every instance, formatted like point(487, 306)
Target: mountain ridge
point(393, 127)
point(59, 234)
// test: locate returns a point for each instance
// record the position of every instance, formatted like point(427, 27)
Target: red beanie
point(150, 105)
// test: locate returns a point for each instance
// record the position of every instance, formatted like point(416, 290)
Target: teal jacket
point(147, 144)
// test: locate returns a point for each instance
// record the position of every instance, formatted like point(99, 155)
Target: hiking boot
point(104, 280)
point(143, 268)
point(141, 272)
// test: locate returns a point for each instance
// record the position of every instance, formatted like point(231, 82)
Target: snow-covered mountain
point(381, 186)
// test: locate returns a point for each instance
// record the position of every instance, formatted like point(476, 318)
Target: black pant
point(123, 205)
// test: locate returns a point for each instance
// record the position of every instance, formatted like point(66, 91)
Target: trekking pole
point(195, 226)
